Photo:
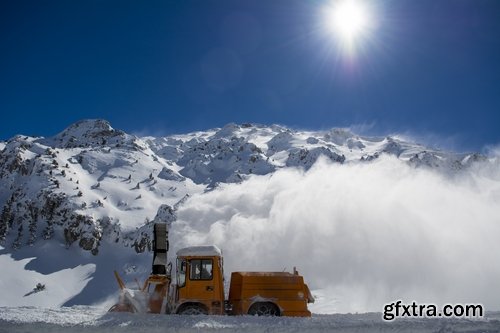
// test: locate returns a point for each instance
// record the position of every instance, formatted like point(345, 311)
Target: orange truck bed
point(250, 292)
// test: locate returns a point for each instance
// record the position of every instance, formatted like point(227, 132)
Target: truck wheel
point(192, 309)
point(122, 308)
point(264, 309)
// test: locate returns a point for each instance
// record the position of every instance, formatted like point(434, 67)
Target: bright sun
point(350, 20)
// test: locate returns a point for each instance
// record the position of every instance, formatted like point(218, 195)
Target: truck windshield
point(200, 269)
point(181, 272)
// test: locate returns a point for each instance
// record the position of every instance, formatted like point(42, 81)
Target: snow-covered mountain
point(92, 184)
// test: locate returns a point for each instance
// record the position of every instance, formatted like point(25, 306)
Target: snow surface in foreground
point(93, 319)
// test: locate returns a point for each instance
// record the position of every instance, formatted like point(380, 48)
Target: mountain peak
point(91, 124)
point(89, 132)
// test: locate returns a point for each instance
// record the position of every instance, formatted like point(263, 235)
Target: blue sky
point(430, 68)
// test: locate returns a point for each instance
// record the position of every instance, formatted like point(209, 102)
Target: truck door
point(201, 277)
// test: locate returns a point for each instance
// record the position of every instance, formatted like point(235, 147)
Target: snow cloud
point(493, 150)
point(362, 234)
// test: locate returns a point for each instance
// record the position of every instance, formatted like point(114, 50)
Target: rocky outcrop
point(306, 158)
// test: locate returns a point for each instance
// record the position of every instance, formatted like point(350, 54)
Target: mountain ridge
point(91, 183)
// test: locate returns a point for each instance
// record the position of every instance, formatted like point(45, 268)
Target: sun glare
point(349, 20)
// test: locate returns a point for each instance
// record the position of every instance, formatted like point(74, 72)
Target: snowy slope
point(82, 204)
point(60, 286)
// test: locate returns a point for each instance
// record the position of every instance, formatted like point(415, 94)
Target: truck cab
point(200, 276)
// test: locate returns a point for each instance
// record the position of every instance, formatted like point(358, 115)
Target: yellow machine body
point(271, 293)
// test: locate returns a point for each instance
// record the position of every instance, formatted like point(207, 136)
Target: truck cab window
point(181, 272)
point(200, 269)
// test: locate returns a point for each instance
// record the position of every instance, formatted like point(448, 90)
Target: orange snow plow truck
point(199, 287)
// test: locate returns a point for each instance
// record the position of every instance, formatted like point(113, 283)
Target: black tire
point(266, 309)
point(192, 310)
point(122, 308)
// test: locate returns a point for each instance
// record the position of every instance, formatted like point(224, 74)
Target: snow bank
point(18, 284)
point(88, 319)
point(365, 234)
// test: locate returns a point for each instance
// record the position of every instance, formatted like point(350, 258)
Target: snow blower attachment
point(153, 295)
point(160, 248)
point(199, 287)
